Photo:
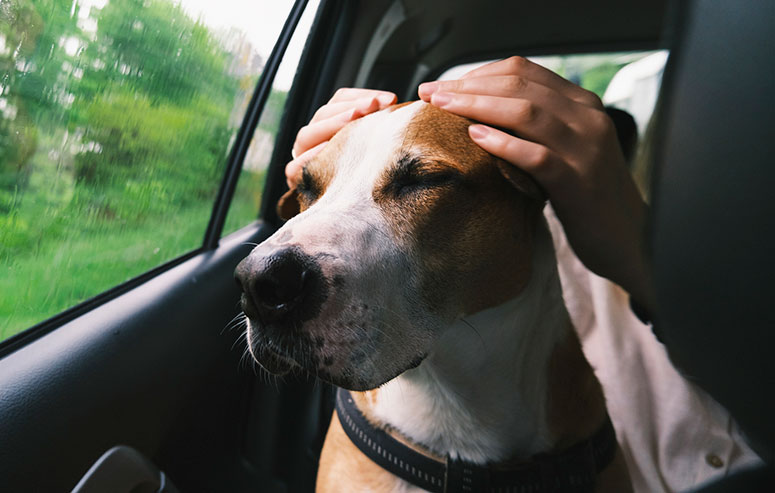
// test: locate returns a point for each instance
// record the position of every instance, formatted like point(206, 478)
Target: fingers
point(536, 159)
point(313, 134)
point(353, 93)
point(345, 106)
point(524, 117)
point(293, 169)
point(531, 71)
point(497, 85)
point(367, 104)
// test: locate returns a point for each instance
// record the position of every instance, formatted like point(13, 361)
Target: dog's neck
point(483, 394)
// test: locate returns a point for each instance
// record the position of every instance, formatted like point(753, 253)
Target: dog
point(417, 271)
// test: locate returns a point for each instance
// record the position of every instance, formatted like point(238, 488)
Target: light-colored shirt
point(674, 436)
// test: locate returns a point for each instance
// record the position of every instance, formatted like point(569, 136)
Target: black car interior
point(153, 365)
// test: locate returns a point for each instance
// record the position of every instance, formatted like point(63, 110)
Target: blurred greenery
point(112, 145)
point(597, 78)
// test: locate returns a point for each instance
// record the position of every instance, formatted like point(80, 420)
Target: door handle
point(124, 469)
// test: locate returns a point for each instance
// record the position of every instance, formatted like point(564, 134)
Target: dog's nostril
point(286, 286)
point(280, 289)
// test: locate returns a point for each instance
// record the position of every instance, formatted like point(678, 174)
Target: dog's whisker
point(234, 322)
point(242, 338)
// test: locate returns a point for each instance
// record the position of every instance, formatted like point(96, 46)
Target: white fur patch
point(480, 395)
point(349, 235)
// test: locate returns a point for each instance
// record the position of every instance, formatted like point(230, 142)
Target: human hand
point(559, 133)
point(346, 105)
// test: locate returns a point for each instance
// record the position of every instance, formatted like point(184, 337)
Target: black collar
point(573, 470)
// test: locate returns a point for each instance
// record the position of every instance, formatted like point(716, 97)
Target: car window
point(246, 202)
point(116, 118)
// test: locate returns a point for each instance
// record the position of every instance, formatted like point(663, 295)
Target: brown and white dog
point(420, 277)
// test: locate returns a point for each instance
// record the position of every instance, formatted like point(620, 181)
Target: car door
point(148, 129)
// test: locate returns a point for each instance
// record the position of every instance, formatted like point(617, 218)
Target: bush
point(141, 157)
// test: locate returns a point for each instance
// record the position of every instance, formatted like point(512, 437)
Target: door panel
point(154, 368)
point(153, 364)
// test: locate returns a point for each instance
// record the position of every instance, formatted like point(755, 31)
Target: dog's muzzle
point(277, 288)
point(281, 290)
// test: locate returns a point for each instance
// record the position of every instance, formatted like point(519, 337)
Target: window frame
point(245, 134)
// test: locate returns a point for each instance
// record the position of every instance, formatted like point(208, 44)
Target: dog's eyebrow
point(417, 165)
point(308, 184)
point(406, 164)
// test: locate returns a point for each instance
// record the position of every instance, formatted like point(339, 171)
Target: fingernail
point(427, 88)
point(441, 98)
point(478, 132)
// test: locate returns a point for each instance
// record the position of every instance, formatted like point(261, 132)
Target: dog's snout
point(278, 285)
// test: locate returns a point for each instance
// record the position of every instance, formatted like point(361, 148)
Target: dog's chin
point(351, 381)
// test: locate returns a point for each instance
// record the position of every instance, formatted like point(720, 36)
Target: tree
point(152, 47)
point(154, 104)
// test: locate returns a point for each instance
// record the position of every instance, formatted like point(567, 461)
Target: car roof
point(405, 42)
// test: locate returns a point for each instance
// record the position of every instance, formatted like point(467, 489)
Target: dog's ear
point(521, 180)
point(288, 205)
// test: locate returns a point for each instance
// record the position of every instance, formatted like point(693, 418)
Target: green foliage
point(154, 48)
point(270, 118)
point(110, 158)
point(18, 141)
point(144, 157)
point(89, 257)
point(155, 125)
point(34, 72)
point(596, 79)
point(247, 200)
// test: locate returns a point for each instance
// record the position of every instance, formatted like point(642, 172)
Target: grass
point(60, 274)
point(73, 258)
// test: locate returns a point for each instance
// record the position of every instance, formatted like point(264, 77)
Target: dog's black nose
point(281, 285)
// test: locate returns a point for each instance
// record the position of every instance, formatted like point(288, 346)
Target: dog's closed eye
point(308, 188)
point(412, 175)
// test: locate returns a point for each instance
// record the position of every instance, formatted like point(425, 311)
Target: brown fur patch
point(341, 463)
point(288, 205)
point(319, 171)
point(458, 228)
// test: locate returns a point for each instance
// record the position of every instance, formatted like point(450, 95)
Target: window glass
point(247, 197)
point(116, 117)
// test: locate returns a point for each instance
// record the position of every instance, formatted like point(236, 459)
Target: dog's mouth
point(336, 362)
point(271, 357)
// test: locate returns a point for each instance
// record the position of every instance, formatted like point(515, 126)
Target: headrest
point(713, 227)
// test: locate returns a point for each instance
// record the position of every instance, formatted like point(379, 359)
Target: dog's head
point(404, 225)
